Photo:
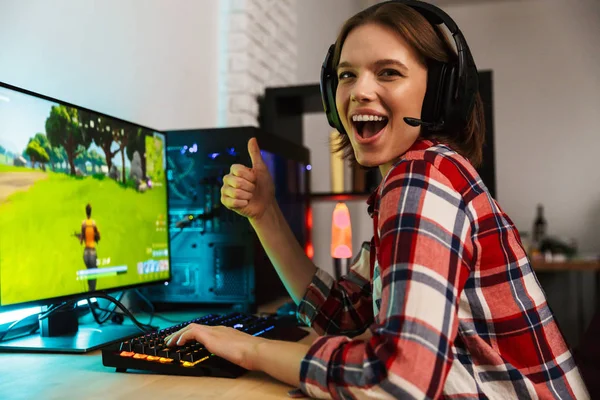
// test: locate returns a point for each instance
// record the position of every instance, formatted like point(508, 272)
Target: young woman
point(443, 301)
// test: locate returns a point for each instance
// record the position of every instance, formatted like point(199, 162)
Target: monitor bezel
point(84, 295)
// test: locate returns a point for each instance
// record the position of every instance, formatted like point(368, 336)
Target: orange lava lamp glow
point(341, 232)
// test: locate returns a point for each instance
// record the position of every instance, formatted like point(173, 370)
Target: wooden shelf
point(345, 196)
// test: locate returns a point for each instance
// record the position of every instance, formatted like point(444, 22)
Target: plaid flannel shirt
point(448, 293)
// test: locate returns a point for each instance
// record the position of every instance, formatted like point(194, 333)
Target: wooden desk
point(82, 376)
point(576, 294)
point(572, 265)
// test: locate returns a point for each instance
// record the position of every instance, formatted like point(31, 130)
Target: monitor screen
point(83, 201)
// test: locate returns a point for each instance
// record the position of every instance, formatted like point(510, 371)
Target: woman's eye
point(390, 72)
point(345, 74)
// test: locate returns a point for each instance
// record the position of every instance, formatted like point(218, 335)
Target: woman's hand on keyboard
point(248, 191)
point(238, 347)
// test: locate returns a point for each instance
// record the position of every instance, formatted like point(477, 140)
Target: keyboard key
point(151, 350)
point(196, 355)
point(165, 352)
point(126, 346)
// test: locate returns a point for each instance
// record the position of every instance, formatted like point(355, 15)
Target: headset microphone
point(429, 125)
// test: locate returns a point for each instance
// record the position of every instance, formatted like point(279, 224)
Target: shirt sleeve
point(424, 254)
point(343, 307)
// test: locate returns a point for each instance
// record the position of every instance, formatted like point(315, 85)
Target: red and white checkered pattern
point(447, 291)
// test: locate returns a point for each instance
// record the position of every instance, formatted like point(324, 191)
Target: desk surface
point(569, 265)
point(82, 376)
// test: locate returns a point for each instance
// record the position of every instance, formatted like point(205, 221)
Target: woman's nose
point(363, 90)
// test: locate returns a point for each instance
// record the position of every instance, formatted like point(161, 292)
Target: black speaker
point(216, 258)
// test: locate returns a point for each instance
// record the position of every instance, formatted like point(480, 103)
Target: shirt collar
point(418, 145)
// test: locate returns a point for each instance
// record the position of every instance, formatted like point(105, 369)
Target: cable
point(158, 316)
point(39, 316)
point(142, 327)
point(96, 317)
point(56, 308)
point(100, 319)
point(153, 311)
point(15, 323)
point(147, 325)
point(109, 313)
point(145, 299)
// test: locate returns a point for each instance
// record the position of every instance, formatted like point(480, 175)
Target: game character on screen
point(442, 300)
point(90, 235)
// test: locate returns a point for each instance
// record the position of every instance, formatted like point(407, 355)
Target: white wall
point(545, 56)
point(153, 62)
point(318, 24)
point(261, 51)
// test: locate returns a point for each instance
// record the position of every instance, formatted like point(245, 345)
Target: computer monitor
point(83, 211)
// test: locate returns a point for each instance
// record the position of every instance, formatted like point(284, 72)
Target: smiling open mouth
point(369, 128)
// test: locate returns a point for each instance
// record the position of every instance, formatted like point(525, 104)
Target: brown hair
point(430, 43)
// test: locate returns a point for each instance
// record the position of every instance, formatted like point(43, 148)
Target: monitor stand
point(61, 333)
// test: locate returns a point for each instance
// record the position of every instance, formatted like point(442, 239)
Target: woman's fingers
point(233, 203)
point(189, 336)
point(237, 182)
point(172, 339)
point(192, 332)
point(234, 193)
point(243, 172)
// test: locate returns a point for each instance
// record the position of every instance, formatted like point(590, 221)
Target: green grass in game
point(39, 254)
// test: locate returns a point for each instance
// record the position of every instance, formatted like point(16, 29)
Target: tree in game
point(64, 129)
point(81, 160)
point(154, 159)
point(56, 154)
point(121, 134)
point(137, 142)
point(92, 157)
point(36, 153)
point(95, 159)
point(100, 130)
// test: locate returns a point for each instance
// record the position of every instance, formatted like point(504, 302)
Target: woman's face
point(381, 81)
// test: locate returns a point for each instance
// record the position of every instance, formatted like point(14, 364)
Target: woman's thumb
point(254, 152)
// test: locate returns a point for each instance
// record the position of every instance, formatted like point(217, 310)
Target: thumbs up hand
point(248, 191)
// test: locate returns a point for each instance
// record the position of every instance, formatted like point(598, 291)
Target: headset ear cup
point(334, 117)
point(451, 104)
point(328, 90)
point(430, 110)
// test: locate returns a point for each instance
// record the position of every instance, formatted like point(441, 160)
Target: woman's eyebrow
point(390, 61)
point(378, 63)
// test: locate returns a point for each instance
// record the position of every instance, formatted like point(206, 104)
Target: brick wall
point(259, 50)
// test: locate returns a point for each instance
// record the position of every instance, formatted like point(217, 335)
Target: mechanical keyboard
point(148, 352)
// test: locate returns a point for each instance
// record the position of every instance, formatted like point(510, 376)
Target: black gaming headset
point(451, 87)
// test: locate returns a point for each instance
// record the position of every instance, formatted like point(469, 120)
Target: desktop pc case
point(216, 258)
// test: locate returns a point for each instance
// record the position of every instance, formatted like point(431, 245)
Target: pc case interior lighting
point(341, 232)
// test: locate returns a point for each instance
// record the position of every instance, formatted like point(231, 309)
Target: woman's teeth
point(361, 118)
point(368, 125)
